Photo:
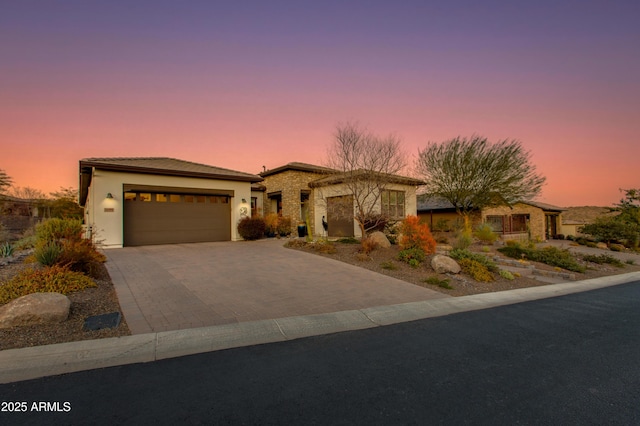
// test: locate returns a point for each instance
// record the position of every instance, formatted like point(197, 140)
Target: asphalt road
point(569, 360)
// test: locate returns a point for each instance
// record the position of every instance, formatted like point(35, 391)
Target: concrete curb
point(41, 361)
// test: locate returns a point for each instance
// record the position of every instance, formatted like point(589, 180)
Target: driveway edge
point(49, 360)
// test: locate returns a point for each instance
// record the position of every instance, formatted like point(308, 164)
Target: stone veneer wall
point(291, 183)
point(537, 221)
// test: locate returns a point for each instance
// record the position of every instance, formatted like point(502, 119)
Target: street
point(568, 360)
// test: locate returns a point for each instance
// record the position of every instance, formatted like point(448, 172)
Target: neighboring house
point(16, 216)
point(572, 227)
point(302, 191)
point(140, 201)
point(523, 220)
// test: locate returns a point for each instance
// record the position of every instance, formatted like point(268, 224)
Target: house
point(140, 201)
point(301, 191)
point(523, 220)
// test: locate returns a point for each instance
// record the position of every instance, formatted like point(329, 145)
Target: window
point(496, 223)
point(519, 222)
point(393, 204)
point(254, 206)
point(189, 198)
point(200, 198)
point(145, 197)
point(130, 196)
point(174, 198)
point(161, 198)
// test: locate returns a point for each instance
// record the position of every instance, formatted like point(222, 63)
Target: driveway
point(172, 287)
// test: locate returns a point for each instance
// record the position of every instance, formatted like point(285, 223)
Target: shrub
point(47, 254)
point(507, 274)
point(477, 270)
point(444, 283)
point(548, 255)
point(485, 233)
point(367, 245)
point(59, 229)
point(271, 223)
point(463, 241)
point(81, 256)
point(602, 259)
point(284, 225)
point(6, 249)
point(459, 254)
point(389, 266)
point(416, 235)
point(415, 254)
point(324, 247)
point(57, 279)
point(442, 225)
point(251, 228)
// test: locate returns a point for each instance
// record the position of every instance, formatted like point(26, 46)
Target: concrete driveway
point(172, 287)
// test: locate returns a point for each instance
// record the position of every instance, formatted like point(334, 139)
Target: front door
point(340, 216)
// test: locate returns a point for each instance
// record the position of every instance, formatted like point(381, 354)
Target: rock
point(36, 308)
point(444, 264)
point(381, 240)
point(602, 246)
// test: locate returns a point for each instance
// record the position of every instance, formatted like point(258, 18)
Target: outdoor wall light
point(244, 200)
point(109, 196)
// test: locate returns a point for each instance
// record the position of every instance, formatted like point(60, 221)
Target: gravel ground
point(462, 284)
point(92, 301)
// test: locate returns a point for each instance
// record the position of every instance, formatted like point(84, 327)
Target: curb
point(49, 360)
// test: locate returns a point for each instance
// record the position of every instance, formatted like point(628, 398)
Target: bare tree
point(366, 165)
point(472, 173)
point(26, 193)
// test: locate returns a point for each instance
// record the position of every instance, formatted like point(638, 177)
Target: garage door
point(173, 217)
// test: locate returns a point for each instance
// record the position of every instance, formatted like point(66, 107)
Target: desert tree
point(366, 164)
point(472, 173)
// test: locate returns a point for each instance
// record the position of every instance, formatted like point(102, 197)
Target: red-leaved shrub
point(416, 235)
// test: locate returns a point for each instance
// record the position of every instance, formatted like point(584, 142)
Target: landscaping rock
point(617, 247)
point(444, 264)
point(380, 239)
point(36, 308)
point(602, 246)
point(443, 248)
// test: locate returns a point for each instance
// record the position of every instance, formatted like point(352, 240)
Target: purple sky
point(242, 85)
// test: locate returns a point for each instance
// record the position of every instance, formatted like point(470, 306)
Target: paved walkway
point(174, 287)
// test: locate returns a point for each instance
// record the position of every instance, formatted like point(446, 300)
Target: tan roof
point(167, 166)
point(342, 177)
point(157, 166)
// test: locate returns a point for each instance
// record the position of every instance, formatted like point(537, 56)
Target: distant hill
point(586, 214)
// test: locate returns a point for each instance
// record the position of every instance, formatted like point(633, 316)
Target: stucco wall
point(105, 216)
point(321, 194)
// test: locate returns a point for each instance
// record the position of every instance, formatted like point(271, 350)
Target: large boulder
point(36, 308)
point(380, 239)
point(444, 265)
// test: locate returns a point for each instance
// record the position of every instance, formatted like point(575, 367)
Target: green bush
point(553, 256)
point(57, 279)
point(477, 270)
point(444, 283)
point(389, 266)
point(602, 259)
point(413, 256)
point(251, 228)
point(47, 254)
point(59, 229)
point(6, 249)
point(459, 254)
point(507, 274)
point(463, 241)
point(485, 233)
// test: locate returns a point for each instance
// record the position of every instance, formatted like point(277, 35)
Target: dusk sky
point(243, 85)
